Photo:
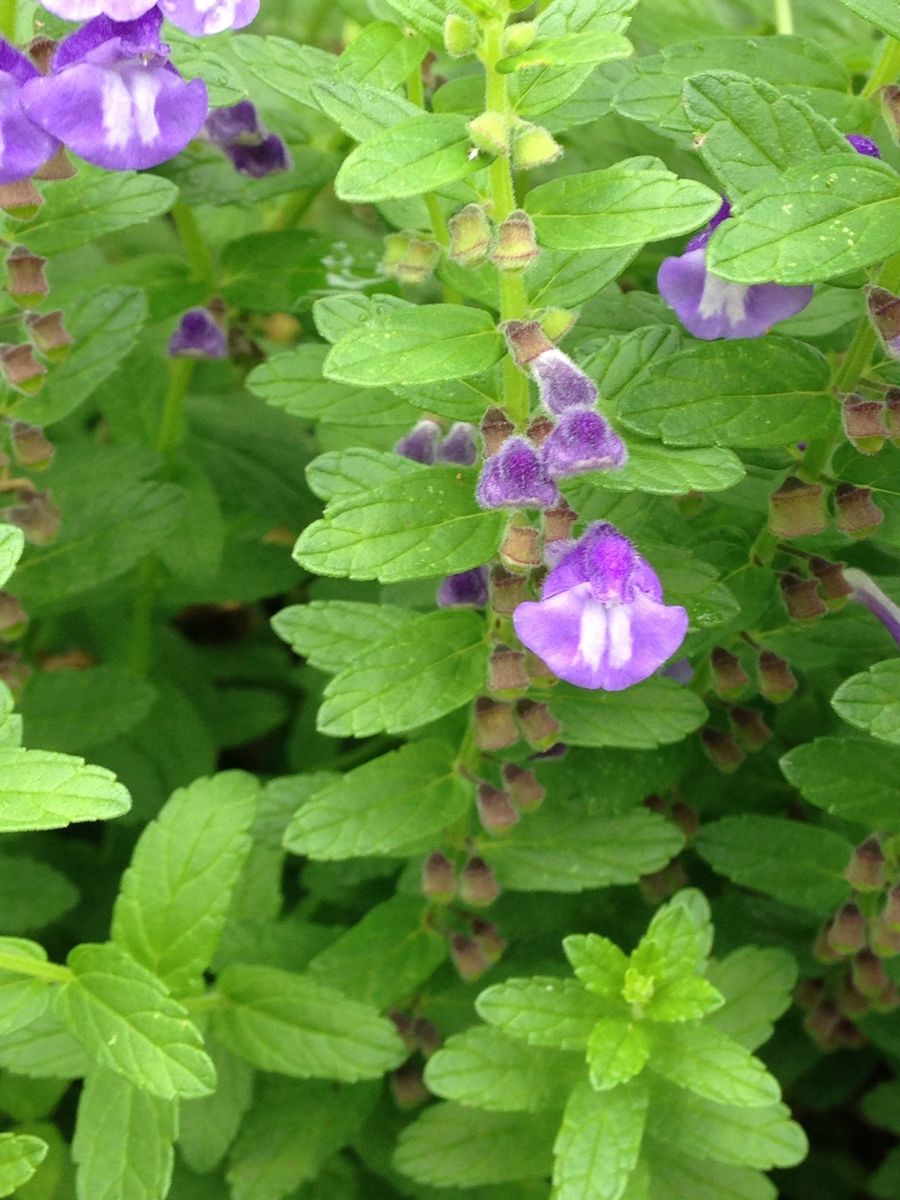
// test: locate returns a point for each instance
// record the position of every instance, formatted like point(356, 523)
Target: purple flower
point(561, 383)
point(867, 592)
point(198, 336)
point(515, 478)
point(710, 307)
point(260, 159)
point(419, 444)
point(459, 446)
point(23, 146)
point(251, 149)
point(235, 123)
point(114, 99)
point(468, 589)
point(863, 145)
point(197, 17)
point(601, 621)
point(582, 441)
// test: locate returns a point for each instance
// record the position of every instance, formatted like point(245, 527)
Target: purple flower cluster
point(252, 149)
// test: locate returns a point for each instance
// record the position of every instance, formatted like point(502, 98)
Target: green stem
point(181, 371)
point(37, 968)
point(202, 1004)
point(784, 17)
point(198, 254)
point(886, 69)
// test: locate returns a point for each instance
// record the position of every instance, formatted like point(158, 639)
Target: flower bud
point(404, 1026)
point(863, 422)
point(519, 37)
point(558, 522)
point(21, 369)
point(721, 749)
point(892, 414)
point(890, 109)
point(556, 322)
point(496, 810)
point(822, 1022)
point(508, 591)
point(460, 35)
point(427, 1037)
point(729, 678)
point(496, 427)
point(13, 618)
point(259, 157)
point(775, 678)
point(539, 429)
point(478, 885)
point(489, 940)
point(21, 200)
point(37, 516)
point(540, 727)
point(797, 509)
point(750, 729)
point(468, 957)
point(471, 234)
point(459, 446)
point(885, 942)
point(656, 804)
point(409, 259)
point(686, 818)
point(14, 672)
point(49, 335)
point(26, 281)
point(30, 446)
point(408, 1086)
point(538, 672)
point(420, 444)
point(822, 948)
point(467, 589)
point(521, 549)
point(515, 246)
point(515, 477)
point(847, 933)
point(526, 341)
point(808, 993)
point(887, 1001)
point(506, 673)
point(495, 725)
point(847, 1036)
point(533, 146)
point(59, 166)
point(856, 513)
point(833, 587)
point(851, 1002)
point(891, 914)
point(198, 335)
point(660, 885)
point(552, 754)
point(527, 793)
point(801, 597)
point(865, 871)
point(490, 132)
point(884, 312)
point(869, 975)
point(438, 878)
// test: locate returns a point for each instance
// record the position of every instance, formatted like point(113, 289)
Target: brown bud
point(471, 234)
point(409, 259)
point(515, 246)
point(865, 871)
point(890, 109)
point(506, 673)
point(721, 749)
point(496, 810)
point(438, 878)
point(856, 513)
point(821, 1023)
point(496, 427)
point(508, 591)
point(539, 430)
point(887, 1001)
point(468, 957)
point(892, 414)
point(49, 334)
point(808, 993)
point(404, 1026)
point(58, 167)
point(801, 597)
point(540, 727)
point(869, 975)
point(660, 885)
point(797, 509)
point(26, 281)
point(428, 1039)
point(408, 1086)
point(884, 312)
point(38, 518)
point(521, 549)
point(863, 422)
point(526, 340)
point(846, 1035)
point(847, 933)
point(527, 793)
point(885, 942)
point(891, 913)
point(775, 678)
point(822, 949)
point(21, 369)
point(685, 817)
point(558, 523)
point(30, 446)
point(851, 1002)
point(41, 50)
point(833, 587)
point(729, 678)
point(13, 617)
point(656, 804)
point(20, 200)
point(478, 885)
point(495, 725)
point(749, 727)
point(489, 940)
point(14, 672)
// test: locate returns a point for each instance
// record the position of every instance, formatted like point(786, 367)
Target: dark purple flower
point(198, 336)
point(710, 307)
point(238, 121)
point(114, 99)
point(197, 17)
point(468, 589)
point(867, 592)
point(515, 478)
point(561, 383)
point(259, 159)
point(582, 441)
point(420, 443)
point(459, 446)
point(23, 146)
point(601, 621)
point(863, 145)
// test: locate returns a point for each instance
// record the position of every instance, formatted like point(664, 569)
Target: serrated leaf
point(362, 110)
point(828, 772)
point(71, 711)
point(23, 998)
point(329, 634)
point(283, 1022)
point(569, 277)
point(174, 897)
point(653, 713)
point(598, 1143)
point(684, 1000)
point(12, 543)
point(673, 1172)
point(207, 1126)
point(382, 806)
point(340, 473)
point(423, 525)
point(382, 54)
point(44, 1050)
point(617, 1050)
point(598, 963)
point(698, 1057)
point(675, 944)
point(543, 1011)
point(871, 701)
point(882, 14)
point(20, 1156)
point(664, 471)
point(569, 49)
point(284, 65)
point(757, 984)
point(123, 1140)
point(417, 155)
point(43, 790)
point(127, 1022)
point(793, 861)
point(483, 1068)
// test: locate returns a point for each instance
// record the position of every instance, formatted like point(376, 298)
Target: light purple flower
point(710, 307)
point(420, 443)
point(468, 589)
point(515, 478)
point(459, 446)
point(197, 17)
point(601, 621)
point(582, 441)
point(23, 146)
point(198, 336)
point(867, 592)
point(114, 99)
point(863, 145)
point(561, 384)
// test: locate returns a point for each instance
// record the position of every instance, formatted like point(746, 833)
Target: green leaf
point(417, 527)
point(675, 944)
point(12, 543)
point(674, 1172)
point(384, 958)
point(91, 204)
point(653, 713)
point(463, 1147)
point(43, 1050)
point(123, 1140)
point(483, 1068)
point(283, 1022)
point(617, 1050)
point(127, 1022)
point(829, 771)
point(43, 790)
point(71, 711)
point(637, 200)
point(262, 271)
point(382, 806)
point(663, 471)
point(341, 473)
point(569, 277)
point(410, 677)
point(417, 155)
point(174, 898)
point(871, 701)
point(738, 393)
point(819, 220)
point(749, 134)
point(757, 984)
point(382, 55)
point(32, 893)
point(207, 1126)
point(561, 850)
point(426, 16)
point(415, 344)
point(543, 1011)
point(330, 634)
point(684, 1000)
point(569, 49)
point(882, 14)
point(282, 64)
point(598, 963)
point(698, 1057)
point(361, 110)
point(599, 1142)
point(20, 1157)
point(793, 861)
point(23, 998)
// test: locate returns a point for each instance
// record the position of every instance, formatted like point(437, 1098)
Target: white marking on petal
point(720, 296)
point(144, 93)
point(594, 632)
point(115, 102)
point(620, 642)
